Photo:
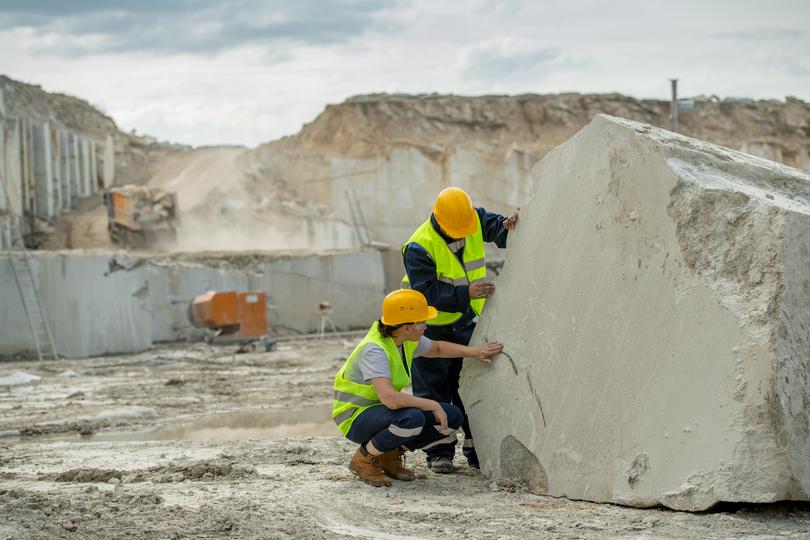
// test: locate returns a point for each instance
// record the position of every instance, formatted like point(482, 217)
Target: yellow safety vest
point(448, 268)
point(352, 398)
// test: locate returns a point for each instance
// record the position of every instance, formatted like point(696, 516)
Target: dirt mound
point(33, 102)
point(199, 470)
point(87, 475)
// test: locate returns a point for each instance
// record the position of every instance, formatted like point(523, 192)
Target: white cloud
point(265, 69)
point(508, 59)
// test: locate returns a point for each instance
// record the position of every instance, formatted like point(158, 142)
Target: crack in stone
point(536, 398)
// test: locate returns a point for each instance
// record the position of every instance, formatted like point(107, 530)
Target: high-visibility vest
point(448, 267)
point(352, 398)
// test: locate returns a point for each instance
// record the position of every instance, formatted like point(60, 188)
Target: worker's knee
point(409, 424)
point(411, 418)
point(454, 416)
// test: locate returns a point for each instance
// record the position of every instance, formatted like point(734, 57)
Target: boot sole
point(399, 477)
point(367, 481)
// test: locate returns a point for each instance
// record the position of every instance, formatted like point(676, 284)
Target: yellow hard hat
point(406, 306)
point(455, 213)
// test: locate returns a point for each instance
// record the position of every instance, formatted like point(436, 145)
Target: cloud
point(86, 27)
point(763, 34)
point(795, 67)
point(509, 59)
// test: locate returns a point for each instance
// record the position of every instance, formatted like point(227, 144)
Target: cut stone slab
point(655, 314)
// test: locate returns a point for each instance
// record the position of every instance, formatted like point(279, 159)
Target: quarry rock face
point(655, 314)
point(407, 148)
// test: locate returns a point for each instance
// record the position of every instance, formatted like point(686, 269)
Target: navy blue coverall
point(437, 378)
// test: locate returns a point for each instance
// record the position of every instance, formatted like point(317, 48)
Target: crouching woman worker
point(371, 410)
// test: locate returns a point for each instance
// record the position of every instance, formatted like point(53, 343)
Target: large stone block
point(655, 311)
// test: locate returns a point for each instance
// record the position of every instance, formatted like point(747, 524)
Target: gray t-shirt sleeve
point(424, 346)
point(374, 363)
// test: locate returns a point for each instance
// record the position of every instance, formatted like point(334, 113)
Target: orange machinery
point(138, 216)
point(240, 316)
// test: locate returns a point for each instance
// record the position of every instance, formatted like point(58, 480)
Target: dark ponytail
point(387, 330)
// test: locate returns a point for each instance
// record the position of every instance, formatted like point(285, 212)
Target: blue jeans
point(412, 428)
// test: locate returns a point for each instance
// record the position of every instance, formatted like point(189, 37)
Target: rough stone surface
point(655, 311)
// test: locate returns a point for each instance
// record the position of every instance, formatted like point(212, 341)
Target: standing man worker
point(444, 260)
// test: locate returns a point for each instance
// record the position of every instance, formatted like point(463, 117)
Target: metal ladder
point(359, 220)
point(29, 295)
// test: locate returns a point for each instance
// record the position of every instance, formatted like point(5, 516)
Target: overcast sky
point(250, 71)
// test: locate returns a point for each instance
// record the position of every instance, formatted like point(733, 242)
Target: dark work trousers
point(412, 428)
point(437, 379)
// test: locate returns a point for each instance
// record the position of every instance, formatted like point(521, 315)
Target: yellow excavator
point(141, 216)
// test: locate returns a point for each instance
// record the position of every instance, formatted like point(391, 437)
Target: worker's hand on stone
point(481, 289)
point(511, 222)
point(440, 415)
point(486, 351)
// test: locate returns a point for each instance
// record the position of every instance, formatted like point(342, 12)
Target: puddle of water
point(244, 425)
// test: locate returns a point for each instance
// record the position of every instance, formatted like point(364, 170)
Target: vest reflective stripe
point(457, 245)
point(459, 281)
point(345, 415)
point(448, 268)
point(474, 265)
point(352, 398)
point(357, 400)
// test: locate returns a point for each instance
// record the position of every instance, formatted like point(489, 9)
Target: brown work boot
point(392, 466)
point(367, 467)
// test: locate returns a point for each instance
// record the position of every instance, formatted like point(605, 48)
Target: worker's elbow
point(391, 401)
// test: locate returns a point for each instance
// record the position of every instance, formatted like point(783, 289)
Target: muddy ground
point(192, 441)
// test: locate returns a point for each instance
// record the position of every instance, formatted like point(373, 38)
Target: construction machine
point(140, 216)
point(232, 317)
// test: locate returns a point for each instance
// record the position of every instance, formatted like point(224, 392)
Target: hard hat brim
point(432, 313)
point(459, 232)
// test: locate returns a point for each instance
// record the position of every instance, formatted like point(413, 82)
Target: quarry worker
point(444, 260)
point(369, 407)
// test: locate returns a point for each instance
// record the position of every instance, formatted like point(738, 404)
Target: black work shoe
point(441, 465)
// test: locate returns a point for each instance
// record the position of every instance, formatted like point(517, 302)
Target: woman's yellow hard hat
point(406, 306)
point(455, 213)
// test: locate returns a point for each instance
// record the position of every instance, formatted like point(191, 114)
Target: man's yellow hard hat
point(455, 213)
point(406, 306)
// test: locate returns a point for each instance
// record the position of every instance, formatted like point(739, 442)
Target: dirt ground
point(193, 441)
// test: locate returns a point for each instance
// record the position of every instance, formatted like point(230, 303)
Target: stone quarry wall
point(108, 302)
point(45, 166)
point(90, 309)
point(654, 311)
point(407, 148)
